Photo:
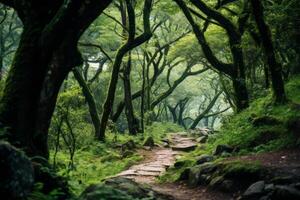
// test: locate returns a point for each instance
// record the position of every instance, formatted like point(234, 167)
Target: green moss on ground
point(97, 161)
point(174, 173)
point(239, 131)
point(263, 127)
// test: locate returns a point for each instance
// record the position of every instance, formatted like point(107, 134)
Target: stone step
point(185, 148)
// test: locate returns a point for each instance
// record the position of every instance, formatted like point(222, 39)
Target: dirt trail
point(157, 160)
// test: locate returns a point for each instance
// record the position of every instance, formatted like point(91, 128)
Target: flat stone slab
point(160, 159)
point(147, 173)
point(150, 169)
point(184, 148)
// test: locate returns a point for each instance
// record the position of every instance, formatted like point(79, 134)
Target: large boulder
point(16, 172)
point(120, 188)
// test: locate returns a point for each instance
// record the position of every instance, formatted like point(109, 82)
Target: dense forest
point(149, 99)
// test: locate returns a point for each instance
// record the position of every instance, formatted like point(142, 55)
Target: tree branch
point(96, 46)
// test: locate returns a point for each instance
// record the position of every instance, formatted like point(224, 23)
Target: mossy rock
point(216, 182)
point(182, 163)
point(104, 192)
point(285, 192)
point(204, 158)
point(184, 175)
point(133, 189)
point(200, 174)
point(149, 142)
point(223, 148)
point(16, 172)
point(265, 136)
point(265, 121)
point(129, 145)
point(285, 180)
point(244, 173)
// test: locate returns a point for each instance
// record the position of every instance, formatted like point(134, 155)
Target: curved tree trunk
point(131, 43)
point(208, 108)
point(21, 93)
point(234, 70)
point(49, 39)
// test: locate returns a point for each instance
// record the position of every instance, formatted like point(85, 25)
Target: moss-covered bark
point(234, 70)
point(274, 66)
point(46, 53)
point(132, 122)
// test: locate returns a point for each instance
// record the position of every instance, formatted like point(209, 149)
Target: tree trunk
point(37, 72)
point(131, 43)
point(235, 69)
point(18, 106)
point(275, 67)
point(240, 94)
point(132, 122)
point(238, 77)
point(143, 97)
point(266, 73)
point(89, 99)
point(173, 113)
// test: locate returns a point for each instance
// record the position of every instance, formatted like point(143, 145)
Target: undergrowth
point(96, 161)
point(239, 131)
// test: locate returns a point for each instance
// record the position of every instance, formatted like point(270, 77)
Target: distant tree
point(131, 43)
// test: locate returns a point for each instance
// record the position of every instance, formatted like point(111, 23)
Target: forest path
point(156, 162)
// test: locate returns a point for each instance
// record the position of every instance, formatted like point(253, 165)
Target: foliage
point(159, 130)
point(37, 193)
point(94, 161)
point(76, 154)
point(239, 131)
